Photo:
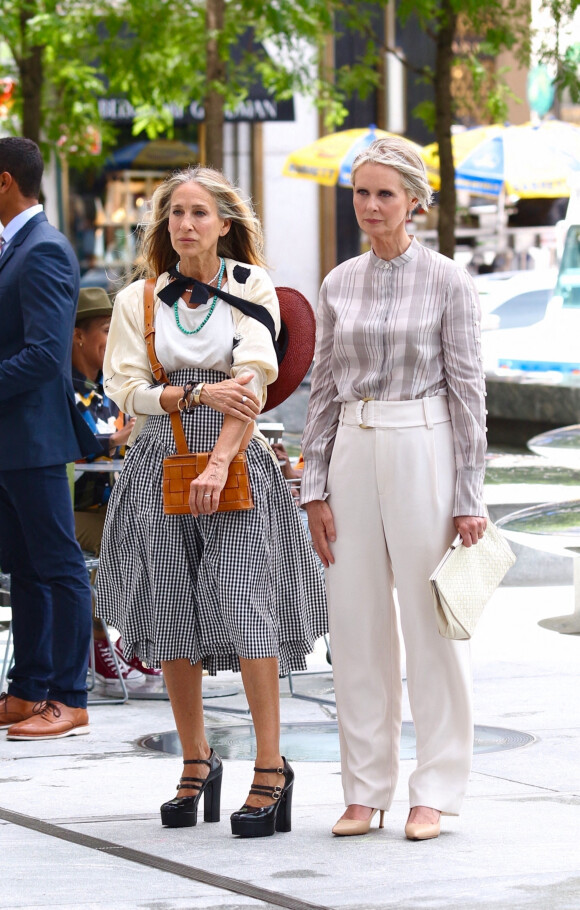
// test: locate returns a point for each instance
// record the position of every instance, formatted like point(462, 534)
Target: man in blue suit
point(40, 431)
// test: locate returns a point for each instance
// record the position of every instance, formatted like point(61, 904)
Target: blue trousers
point(50, 592)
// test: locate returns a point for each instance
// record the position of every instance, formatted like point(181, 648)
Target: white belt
point(370, 414)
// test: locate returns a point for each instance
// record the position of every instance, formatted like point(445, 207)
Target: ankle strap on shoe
point(272, 792)
point(197, 761)
point(191, 783)
point(269, 770)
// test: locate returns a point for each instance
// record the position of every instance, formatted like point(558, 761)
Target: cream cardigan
point(128, 380)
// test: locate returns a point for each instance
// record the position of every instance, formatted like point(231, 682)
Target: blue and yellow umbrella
point(328, 160)
point(527, 161)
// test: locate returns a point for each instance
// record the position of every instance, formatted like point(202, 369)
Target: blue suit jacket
point(39, 285)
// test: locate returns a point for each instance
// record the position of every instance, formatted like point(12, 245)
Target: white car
point(538, 332)
point(513, 299)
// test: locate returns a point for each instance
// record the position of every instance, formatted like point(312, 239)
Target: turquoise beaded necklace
point(220, 275)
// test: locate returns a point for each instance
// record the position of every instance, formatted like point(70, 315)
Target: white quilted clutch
point(465, 579)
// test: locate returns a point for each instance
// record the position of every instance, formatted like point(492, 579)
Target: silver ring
point(206, 494)
point(244, 399)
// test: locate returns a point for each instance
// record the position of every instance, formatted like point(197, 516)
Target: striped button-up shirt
point(399, 330)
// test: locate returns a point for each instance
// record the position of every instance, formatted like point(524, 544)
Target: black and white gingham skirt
point(213, 588)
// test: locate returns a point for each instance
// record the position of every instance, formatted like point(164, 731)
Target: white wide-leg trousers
point(391, 488)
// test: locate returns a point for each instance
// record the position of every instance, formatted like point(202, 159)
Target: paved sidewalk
point(516, 844)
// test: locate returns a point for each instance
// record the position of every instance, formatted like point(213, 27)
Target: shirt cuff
point(313, 484)
point(469, 493)
point(147, 401)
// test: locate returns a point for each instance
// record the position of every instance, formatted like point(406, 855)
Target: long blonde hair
point(244, 240)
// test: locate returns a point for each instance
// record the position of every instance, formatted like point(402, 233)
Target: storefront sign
point(252, 110)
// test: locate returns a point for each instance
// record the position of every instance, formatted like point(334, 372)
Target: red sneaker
point(105, 669)
point(136, 663)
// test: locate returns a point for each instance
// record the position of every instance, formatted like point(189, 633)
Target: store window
point(109, 207)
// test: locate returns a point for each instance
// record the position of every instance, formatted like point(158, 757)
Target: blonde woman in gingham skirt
point(220, 591)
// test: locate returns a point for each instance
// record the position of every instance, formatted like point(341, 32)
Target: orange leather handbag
point(179, 470)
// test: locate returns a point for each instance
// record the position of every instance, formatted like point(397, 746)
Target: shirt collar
point(398, 261)
point(20, 220)
point(86, 386)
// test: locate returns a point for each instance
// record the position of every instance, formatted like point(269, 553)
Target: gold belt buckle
point(363, 426)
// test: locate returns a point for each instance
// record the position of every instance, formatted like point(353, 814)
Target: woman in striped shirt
point(394, 449)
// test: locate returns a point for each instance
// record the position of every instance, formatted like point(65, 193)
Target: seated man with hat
point(91, 490)
point(92, 323)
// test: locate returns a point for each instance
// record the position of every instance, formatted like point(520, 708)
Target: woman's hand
point(321, 524)
point(204, 492)
point(232, 398)
point(471, 528)
point(223, 396)
point(120, 437)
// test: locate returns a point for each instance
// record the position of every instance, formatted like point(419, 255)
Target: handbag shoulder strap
point(157, 368)
point(161, 376)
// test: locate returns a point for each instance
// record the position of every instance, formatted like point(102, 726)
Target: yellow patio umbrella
point(527, 161)
point(328, 160)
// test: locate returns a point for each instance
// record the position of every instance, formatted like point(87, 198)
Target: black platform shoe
point(250, 821)
point(181, 812)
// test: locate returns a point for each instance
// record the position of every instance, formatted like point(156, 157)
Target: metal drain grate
point(319, 741)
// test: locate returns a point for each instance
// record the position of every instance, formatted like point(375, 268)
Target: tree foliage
point(65, 54)
point(498, 25)
point(558, 49)
point(495, 26)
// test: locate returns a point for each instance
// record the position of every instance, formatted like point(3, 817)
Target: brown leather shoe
point(51, 720)
point(13, 710)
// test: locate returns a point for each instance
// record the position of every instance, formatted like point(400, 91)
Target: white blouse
point(399, 330)
point(127, 372)
point(210, 348)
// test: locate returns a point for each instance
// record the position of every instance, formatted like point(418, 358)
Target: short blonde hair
point(401, 156)
point(244, 240)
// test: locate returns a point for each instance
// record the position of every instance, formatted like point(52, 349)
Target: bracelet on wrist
point(196, 395)
point(185, 401)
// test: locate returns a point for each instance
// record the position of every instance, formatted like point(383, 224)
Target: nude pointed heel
point(422, 830)
point(346, 827)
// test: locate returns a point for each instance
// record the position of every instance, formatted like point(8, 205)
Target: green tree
point(557, 50)
point(66, 53)
point(499, 25)
point(50, 46)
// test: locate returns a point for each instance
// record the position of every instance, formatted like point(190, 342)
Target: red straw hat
point(298, 320)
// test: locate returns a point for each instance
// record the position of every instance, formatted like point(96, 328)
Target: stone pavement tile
point(477, 858)
point(499, 847)
point(64, 876)
point(547, 765)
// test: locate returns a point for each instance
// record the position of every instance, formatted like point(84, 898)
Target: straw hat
point(93, 302)
point(298, 334)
